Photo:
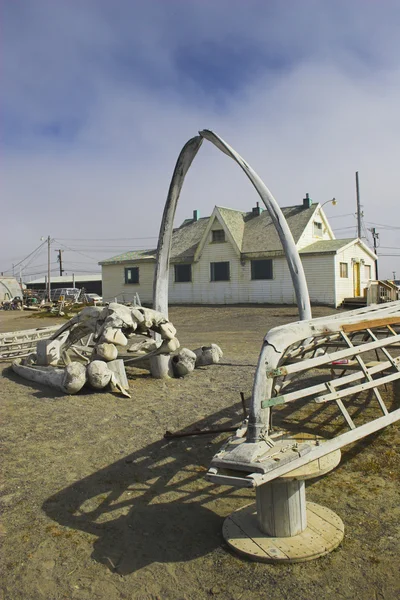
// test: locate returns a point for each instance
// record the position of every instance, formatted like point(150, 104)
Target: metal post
point(48, 269)
point(358, 207)
point(60, 260)
point(375, 237)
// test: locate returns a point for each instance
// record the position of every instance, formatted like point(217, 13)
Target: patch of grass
point(387, 463)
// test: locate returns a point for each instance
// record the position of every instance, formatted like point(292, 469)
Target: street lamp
point(333, 201)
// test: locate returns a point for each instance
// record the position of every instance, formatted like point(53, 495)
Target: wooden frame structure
point(16, 344)
point(359, 351)
point(356, 355)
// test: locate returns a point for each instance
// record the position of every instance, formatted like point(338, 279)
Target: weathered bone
point(118, 368)
point(169, 346)
point(74, 378)
point(167, 331)
point(183, 363)
point(69, 380)
point(105, 352)
point(98, 374)
point(117, 387)
point(143, 345)
point(208, 355)
point(113, 335)
point(48, 352)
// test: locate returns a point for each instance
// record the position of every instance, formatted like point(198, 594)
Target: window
point(183, 273)
point(219, 271)
point(367, 271)
point(344, 270)
point(132, 275)
point(218, 235)
point(317, 229)
point(261, 269)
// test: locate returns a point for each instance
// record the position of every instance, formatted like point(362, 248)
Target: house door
point(356, 279)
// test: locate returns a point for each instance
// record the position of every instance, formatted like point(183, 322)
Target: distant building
point(9, 288)
point(91, 283)
point(234, 257)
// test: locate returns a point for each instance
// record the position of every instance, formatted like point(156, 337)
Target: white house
point(236, 257)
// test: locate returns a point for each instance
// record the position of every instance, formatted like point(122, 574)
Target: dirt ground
point(97, 504)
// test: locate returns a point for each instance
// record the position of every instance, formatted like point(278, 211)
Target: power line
point(384, 226)
point(107, 239)
point(26, 257)
point(100, 248)
point(340, 216)
point(343, 228)
point(81, 253)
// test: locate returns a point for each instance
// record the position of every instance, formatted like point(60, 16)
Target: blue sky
point(98, 98)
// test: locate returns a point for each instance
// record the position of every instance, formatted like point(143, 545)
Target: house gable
point(216, 221)
point(309, 235)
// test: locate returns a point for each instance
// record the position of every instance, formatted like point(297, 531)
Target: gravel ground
point(97, 504)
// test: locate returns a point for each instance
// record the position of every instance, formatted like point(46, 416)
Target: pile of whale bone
point(92, 347)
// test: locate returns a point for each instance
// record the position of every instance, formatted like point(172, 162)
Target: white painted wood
point(114, 286)
point(345, 286)
point(309, 237)
point(322, 274)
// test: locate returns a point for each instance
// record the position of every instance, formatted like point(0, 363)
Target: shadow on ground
point(150, 506)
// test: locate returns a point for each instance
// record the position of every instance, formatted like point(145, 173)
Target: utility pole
point(375, 237)
point(48, 268)
point(60, 261)
point(358, 207)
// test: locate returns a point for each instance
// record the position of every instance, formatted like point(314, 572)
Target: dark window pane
point(261, 269)
point(183, 273)
point(218, 235)
point(344, 270)
point(219, 271)
point(132, 275)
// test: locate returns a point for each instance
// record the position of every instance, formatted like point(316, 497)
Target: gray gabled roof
point(260, 234)
point(253, 234)
point(234, 220)
point(127, 257)
point(186, 238)
point(327, 246)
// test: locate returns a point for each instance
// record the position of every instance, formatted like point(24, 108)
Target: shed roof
point(68, 278)
point(327, 246)
point(334, 246)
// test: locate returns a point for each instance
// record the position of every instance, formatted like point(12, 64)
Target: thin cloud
point(100, 98)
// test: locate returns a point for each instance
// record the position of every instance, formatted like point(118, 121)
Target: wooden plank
point(356, 389)
point(370, 324)
point(242, 526)
point(312, 363)
point(346, 415)
point(329, 446)
point(241, 532)
point(321, 387)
